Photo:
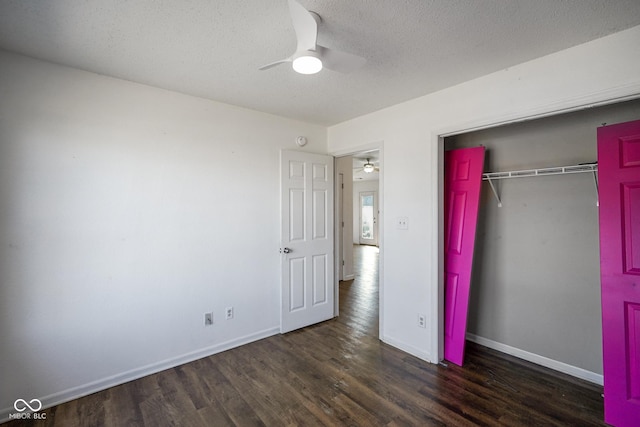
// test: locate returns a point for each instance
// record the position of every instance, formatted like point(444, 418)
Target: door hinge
point(342, 262)
point(342, 186)
point(342, 224)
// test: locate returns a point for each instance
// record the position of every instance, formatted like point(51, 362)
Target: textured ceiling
point(212, 49)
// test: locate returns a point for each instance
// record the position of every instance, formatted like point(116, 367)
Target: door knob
point(285, 250)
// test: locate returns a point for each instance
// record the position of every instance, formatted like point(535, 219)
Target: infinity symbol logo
point(25, 405)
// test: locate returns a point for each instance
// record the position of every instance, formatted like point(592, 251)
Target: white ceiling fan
point(369, 167)
point(310, 57)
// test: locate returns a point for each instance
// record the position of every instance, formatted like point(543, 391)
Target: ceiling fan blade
point(305, 26)
point(273, 64)
point(341, 62)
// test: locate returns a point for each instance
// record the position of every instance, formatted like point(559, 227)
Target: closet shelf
point(525, 173)
point(558, 170)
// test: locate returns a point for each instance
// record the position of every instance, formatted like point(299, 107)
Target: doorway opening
point(368, 224)
point(358, 224)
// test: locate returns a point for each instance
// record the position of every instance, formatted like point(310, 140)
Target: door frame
point(379, 146)
point(339, 229)
point(436, 148)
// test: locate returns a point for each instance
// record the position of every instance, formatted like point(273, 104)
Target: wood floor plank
point(229, 400)
point(339, 373)
point(263, 392)
point(121, 403)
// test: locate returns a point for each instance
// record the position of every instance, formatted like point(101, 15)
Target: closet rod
point(558, 170)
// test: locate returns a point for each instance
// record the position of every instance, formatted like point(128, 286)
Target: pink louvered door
point(619, 193)
point(463, 177)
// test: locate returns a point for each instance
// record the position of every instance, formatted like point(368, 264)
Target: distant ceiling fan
point(369, 167)
point(310, 57)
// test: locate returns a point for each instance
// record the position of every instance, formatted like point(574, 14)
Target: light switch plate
point(402, 223)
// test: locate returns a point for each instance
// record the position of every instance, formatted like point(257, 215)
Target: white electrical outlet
point(422, 320)
point(228, 313)
point(208, 319)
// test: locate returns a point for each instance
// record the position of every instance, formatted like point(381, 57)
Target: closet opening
point(535, 286)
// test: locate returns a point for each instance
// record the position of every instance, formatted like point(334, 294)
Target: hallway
point(359, 300)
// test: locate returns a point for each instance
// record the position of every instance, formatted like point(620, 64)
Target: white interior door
point(368, 231)
point(307, 239)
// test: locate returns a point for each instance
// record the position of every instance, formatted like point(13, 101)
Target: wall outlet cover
point(422, 320)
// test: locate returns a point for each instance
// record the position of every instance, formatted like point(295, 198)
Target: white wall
point(359, 187)
point(599, 71)
point(126, 213)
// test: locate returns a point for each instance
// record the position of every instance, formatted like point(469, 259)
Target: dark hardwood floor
point(339, 373)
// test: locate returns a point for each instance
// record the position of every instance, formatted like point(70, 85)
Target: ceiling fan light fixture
point(309, 56)
point(307, 64)
point(368, 167)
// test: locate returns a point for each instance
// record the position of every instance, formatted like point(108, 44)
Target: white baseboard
point(134, 374)
point(539, 360)
point(420, 354)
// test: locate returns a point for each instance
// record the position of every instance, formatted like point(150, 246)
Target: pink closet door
point(619, 193)
point(463, 176)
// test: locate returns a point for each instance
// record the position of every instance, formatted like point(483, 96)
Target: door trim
point(339, 226)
